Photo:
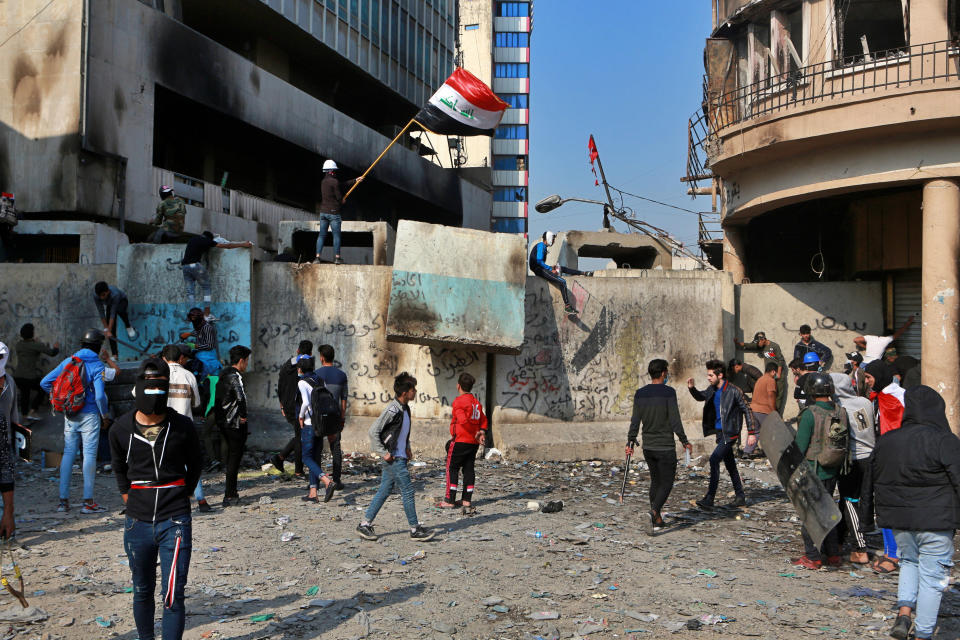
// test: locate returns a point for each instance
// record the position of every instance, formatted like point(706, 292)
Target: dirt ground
point(589, 570)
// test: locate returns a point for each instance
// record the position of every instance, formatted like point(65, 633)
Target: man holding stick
point(655, 407)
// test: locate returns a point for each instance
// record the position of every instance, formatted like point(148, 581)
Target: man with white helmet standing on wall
point(331, 197)
point(539, 267)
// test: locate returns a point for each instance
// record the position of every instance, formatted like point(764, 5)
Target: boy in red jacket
point(468, 428)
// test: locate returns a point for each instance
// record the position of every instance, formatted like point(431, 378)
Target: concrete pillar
point(734, 253)
point(940, 351)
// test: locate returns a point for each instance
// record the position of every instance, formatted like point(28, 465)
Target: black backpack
point(324, 409)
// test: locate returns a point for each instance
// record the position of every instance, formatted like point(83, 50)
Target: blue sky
point(629, 72)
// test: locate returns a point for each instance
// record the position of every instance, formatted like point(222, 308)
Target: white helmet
point(549, 237)
point(329, 165)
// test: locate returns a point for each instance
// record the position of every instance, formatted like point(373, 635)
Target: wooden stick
point(392, 142)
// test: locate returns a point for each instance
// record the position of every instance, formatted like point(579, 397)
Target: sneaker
point(902, 628)
point(807, 563)
point(204, 507)
point(231, 502)
point(706, 502)
point(421, 533)
point(131, 333)
point(92, 507)
point(366, 531)
point(328, 493)
point(277, 462)
point(739, 501)
point(338, 260)
point(656, 523)
point(63, 507)
point(210, 318)
point(317, 260)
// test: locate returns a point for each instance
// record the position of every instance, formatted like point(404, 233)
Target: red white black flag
point(463, 106)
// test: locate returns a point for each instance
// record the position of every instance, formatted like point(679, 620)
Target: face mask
point(196, 321)
point(152, 396)
point(848, 368)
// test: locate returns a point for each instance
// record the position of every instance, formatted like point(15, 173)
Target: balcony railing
point(927, 64)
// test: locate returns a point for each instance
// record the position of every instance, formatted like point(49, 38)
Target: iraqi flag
point(463, 106)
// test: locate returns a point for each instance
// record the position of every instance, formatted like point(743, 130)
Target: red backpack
point(69, 393)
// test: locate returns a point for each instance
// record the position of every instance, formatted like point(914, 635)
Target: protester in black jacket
point(916, 483)
point(289, 395)
point(156, 460)
point(231, 414)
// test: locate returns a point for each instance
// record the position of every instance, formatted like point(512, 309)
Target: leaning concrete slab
point(627, 250)
point(456, 286)
point(151, 277)
point(363, 242)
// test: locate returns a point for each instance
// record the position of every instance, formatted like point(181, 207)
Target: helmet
point(94, 338)
point(810, 357)
point(166, 190)
point(330, 165)
point(549, 237)
point(818, 385)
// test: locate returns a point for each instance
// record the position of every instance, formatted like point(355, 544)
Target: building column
point(940, 350)
point(734, 254)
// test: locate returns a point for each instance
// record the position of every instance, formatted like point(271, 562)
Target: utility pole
point(606, 187)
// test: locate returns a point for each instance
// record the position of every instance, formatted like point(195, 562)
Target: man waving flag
point(463, 106)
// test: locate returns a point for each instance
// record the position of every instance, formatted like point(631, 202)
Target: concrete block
point(456, 286)
point(98, 242)
point(151, 277)
point(628, 250)
point(380, 236)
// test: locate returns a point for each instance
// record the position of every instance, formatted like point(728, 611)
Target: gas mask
point(152, 396)
point(848, 368)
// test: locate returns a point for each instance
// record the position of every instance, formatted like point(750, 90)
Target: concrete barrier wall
point(151, 277)
point(56, 298)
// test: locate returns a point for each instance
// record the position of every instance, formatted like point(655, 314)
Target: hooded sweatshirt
point(886, 394)
point(860, 415)
point(916, 468)
point(95, 397)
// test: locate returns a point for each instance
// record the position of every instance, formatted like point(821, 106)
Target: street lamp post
point(550, 203)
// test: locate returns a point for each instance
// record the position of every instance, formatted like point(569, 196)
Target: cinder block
point(455, 286)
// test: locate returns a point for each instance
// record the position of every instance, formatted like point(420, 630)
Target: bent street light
point(550, 203)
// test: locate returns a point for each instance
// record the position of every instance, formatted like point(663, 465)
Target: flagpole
point(392, 142)
point(603, 179)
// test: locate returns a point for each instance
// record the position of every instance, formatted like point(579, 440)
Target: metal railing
point(709, 228)
point(926, 64)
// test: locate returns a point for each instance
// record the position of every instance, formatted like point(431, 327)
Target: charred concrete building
point(831, 130)
point(236, 103)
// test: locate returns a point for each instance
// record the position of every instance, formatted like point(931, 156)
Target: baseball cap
point(759, 335)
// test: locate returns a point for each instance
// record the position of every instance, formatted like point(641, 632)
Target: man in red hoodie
point(468, 428)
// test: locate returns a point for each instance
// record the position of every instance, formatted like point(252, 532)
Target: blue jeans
point(333, 220)
point(193, 274)
point(211, 364)
point(723, 453)
point(143, 542)
point(394, 473)
point(311, 446)
point(198, 492)
point(925, 561)
point(83, 428)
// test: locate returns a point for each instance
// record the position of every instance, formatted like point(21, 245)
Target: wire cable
point(634, 195)
point(25, 24)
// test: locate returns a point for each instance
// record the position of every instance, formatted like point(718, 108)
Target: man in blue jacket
point(539, 266)
point(84, 426)
point(724, 409)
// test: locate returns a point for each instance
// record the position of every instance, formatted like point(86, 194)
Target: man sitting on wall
point(539, 266)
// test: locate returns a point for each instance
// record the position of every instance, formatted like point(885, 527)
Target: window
point(869, 29)
point(511, 132)
point(509, 163)
point(510, 39)
point(343, 10)
point(510, 194)
point(375, 22)
point(513, 9)
point(354, 12)
point(515, 100)
point(510, 225)
point(511, 70)
point(471, 27)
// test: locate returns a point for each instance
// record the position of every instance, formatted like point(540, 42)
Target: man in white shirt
point(874, 346)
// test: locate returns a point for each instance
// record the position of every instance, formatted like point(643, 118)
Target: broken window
point(870, 29)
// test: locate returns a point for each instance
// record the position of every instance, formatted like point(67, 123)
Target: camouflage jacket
point(171, 214)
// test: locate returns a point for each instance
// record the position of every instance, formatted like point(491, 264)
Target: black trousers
point(26, 386)
point(294, 446)
point(831, 544)
point(336, 454)
point(460, 458)
point(850, 485)
point(122, 314)
point(663, 470)
point(233, 443)
point(211, 438)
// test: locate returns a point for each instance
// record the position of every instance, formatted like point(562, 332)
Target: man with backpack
point(390, 439)
point(822, 436)
point(318, 410)
point(76, 390)
point(289, 395)
point(335, 380)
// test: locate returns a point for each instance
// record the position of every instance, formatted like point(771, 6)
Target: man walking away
point(655, 408)
point(852, 483)
point(312, 446)
point(156, 459)
point(331, 199)
point(807, 345)
point(170, 216)
point(112, 302)
point(204, 336)
point(390, 438)
point(764, 403)
point(724, 410)
point(29, 351)
point(770, 351)
point(468, 431)
point(194, 271)
point(874, 346)
point(336, 382)
point(80, 375)
point(539, 267)
point(916, 471)
point(289, 396)
point(231, 416)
